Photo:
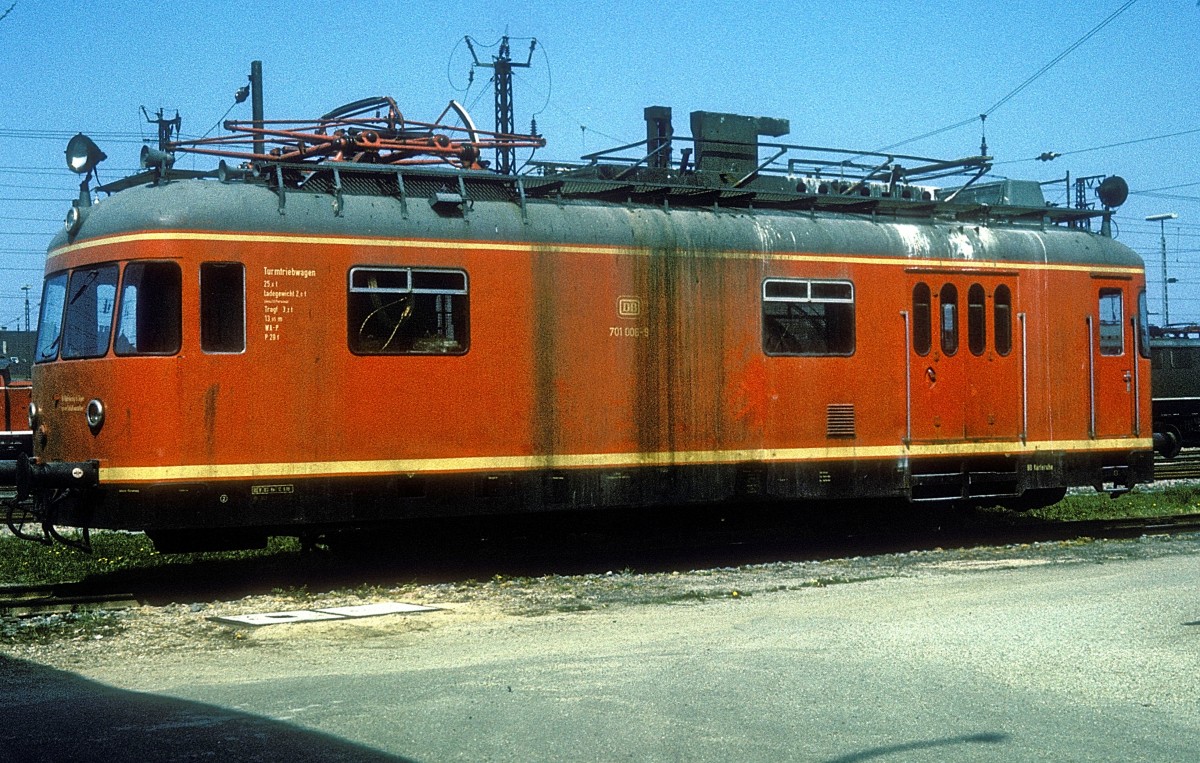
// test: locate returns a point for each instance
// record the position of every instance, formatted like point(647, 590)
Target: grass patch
point(113, 554)
point(1163, 501)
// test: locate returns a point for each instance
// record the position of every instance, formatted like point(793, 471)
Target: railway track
point(720, 545)
point(18, 514)
point(1184, 466)
point(573, 552)
point(1129, 528)
point(59, 598)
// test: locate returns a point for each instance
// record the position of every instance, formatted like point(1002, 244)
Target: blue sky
point(857, 74)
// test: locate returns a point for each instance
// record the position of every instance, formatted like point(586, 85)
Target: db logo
point(629, 307)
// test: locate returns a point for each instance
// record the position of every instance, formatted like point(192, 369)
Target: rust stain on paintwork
point(544, 335)
point(210, 418)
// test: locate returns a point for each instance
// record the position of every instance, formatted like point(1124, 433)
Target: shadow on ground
point(52, 715)
point(664, 540)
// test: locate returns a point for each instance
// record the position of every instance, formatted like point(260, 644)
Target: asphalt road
point(1013, 660)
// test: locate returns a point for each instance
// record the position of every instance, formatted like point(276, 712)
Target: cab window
point(149, 321)
point(91, 295)
point(50, 317)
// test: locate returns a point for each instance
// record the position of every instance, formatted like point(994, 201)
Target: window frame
point(42, 353)
point(120, 311)
point(948, 339)
point(1002, 335)
point(922, 328)
point(768, 298)
point(207, 343)
point(1106, 346)
point(460, 326)
point(1143, 333)
point(97, 350)
point(976, 319)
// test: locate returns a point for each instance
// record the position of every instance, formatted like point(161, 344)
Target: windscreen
point(50, 319)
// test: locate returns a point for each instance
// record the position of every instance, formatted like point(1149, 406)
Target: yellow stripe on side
point(129, 474)
point(965, 266)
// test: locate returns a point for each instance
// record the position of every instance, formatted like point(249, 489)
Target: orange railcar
point(16, 439)
point(332, 345)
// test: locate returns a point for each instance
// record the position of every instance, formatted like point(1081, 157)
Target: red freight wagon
point(15, 437)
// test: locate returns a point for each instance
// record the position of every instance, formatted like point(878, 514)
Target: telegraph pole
point(26, 289)
point(502, 66)
point(1162, 227)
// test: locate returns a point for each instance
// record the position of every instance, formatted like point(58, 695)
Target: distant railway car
point(16, 439)
point(334, 334)
point(1175, 386)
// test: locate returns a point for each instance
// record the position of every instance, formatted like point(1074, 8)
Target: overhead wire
point(1051, 155)
point(220, 121)
point(1030, 80)
point(1170, 187)
point(1170, 196)
point(34, 187)
point(450, 61)
point(108, 136)
point(1111, 17)
point(32, 170)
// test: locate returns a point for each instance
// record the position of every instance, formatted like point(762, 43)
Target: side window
point(1002, 319)
point(802, 317)
point(223, 307)
point(949, 312)
point(976, 319)
point(922, 327)
point(1112, 334)
point(89, 317)
point(149, 321)
point(1143, 325)
point(50, 317)
point(408, 311)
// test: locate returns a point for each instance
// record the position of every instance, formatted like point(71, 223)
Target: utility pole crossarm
point(502, 66)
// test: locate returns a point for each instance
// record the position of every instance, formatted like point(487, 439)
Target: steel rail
point(60, 598)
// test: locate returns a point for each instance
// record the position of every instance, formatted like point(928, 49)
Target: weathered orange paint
point(555, 369)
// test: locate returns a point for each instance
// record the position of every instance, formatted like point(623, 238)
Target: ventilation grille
point(839, 420)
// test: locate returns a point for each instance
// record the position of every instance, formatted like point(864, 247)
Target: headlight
point(95, 415)
point(34, 414)
point(74, 219)
point(83, 155)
